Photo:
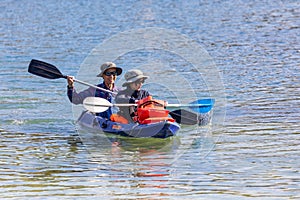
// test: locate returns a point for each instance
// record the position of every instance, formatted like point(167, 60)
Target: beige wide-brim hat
point(133, 75)
point(109, 65)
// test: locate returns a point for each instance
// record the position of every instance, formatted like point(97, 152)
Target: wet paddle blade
point(187, 117)
point(182, 116)
point(44, 69)
point(198, 114)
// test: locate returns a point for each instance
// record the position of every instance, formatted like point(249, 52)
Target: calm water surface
point(254, 154)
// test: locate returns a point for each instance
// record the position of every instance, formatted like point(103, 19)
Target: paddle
point(183, 116)
point(199, 116)
point(97, 105)
point(202, 109)
point(49, 71)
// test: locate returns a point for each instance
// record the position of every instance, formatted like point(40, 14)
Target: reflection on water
point(44, 164)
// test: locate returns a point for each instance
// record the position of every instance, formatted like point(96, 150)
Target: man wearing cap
point(109, 72)
point(133, 92)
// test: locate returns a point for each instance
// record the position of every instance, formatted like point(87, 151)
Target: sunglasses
point(140, 81)
point(110, 73)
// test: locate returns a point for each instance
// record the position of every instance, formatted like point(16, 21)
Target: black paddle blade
point(44, 69)
point(184, 117)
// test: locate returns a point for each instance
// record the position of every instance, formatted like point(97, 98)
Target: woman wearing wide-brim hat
point(109, 72)
point(133, 92)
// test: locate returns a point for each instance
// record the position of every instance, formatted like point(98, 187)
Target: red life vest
point(151, 111)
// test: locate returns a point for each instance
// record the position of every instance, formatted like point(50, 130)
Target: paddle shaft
point(93, 86)
point(111, 105)
point(175, 105)
point(108, 104)
point(96, 104)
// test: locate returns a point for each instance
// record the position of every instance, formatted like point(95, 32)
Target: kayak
point(161, 129)
point(152, 118)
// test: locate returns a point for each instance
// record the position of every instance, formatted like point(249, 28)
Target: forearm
point(77, 98)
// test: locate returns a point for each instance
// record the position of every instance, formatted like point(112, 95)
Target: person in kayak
point(133, 92)
point(109, 72)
